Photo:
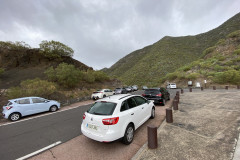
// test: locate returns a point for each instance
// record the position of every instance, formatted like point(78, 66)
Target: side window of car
point(131, 103)
point(38, 100)
point(140, 100)
point(24, 101)
point(124, 106)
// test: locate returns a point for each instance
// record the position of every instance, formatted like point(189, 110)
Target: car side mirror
point(46, 101)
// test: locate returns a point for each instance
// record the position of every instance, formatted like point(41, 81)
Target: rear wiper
point(98, 113)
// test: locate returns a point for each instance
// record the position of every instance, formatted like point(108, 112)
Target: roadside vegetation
point(61, 82)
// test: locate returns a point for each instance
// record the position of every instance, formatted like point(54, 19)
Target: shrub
point(230, 76)
point(221, 42)
point(89, 76)
point(193, 76)
point(100, 76)
point(65, 75)
point(1, 71)
point(16, 45)
point(207, 51)
point(236, 52)
point(35, 87)
point(234, 34)
point(54, 49)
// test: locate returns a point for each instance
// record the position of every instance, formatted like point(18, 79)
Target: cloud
point(103, 31)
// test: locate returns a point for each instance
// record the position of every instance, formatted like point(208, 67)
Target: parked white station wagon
point(101, 94)
point(116, 117)
point(17, 108)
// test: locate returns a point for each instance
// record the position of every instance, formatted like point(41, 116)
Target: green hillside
point(220, 64)
point(146, 66)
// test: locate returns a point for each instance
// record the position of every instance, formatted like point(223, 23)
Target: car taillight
point(143, 95)
point(84, 116)
point(159, 95)
point(110, 121)
point(9, 107)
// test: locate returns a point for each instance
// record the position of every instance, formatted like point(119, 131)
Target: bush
point(54, 49)
point(35, 87)
point(100, 76)
point(236, 52)
point(193, 76)
point(234, 34)
point(230, 76)
point(221, 42)
point(16, 45)
point(65, 75)
point(89, 76)
point(207, 51)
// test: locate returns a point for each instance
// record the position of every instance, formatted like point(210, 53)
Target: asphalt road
point(22, 138)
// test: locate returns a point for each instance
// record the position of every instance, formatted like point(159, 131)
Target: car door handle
point(132, 114)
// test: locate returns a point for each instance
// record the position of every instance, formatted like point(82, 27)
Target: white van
point(172, 86)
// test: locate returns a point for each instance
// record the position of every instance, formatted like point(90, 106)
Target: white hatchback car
point(116, 117)
point(172, 86)
point(101, 94)
point(17, 108)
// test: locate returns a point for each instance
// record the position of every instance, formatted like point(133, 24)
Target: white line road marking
point(42, 115)
point(39, 151)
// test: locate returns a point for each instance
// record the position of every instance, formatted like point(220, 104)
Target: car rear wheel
point(53, 108)
point(163, 102)
point(153, 113)
point(104, 96)
point(129, 134)
point(14, 116)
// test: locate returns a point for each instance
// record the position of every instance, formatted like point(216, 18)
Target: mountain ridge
point(145, 66)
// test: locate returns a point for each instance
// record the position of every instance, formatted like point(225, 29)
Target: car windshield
point(151, 91)
point(102, 108)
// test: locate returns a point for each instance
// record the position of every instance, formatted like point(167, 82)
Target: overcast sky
point(102, 31)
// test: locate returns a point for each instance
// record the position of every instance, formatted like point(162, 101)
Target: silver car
point(17, 108)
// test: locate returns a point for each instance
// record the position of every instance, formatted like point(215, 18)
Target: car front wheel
point(14, 116)
point(152, 113)
point(53, 108)
point(129, 134)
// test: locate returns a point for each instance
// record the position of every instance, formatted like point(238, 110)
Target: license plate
point(92, 127)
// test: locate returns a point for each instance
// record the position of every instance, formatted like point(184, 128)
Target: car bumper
point(5, 115)
point(109, 136)
point(156, 100)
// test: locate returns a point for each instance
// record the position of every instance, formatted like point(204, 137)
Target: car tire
point(163, 102)
point(152, 113)
point(104, 96)
point(128, 135)
point(53, 108)
point(14, 116)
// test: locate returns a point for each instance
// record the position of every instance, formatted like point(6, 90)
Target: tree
point(55, 49)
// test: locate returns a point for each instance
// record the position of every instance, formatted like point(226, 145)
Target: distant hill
point(21, 64)
point(219, 64)
point(148, 65)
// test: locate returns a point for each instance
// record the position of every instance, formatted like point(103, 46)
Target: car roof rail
point(124, 96)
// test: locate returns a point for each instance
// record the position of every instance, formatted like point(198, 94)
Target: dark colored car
point(120, 91)
point(159, 95)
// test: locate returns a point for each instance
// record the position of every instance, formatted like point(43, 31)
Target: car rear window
point(102, 108)
point(152, 91)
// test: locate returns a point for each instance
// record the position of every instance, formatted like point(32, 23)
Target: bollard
point(177, 98)
point(214, 87)
point(181, 91)
point(152, 137)
point(238, 87)
point(190, 89)
point(169, 117)
point(226, 87)
point(201, 88)
point(175, 104)
point(177, 93)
